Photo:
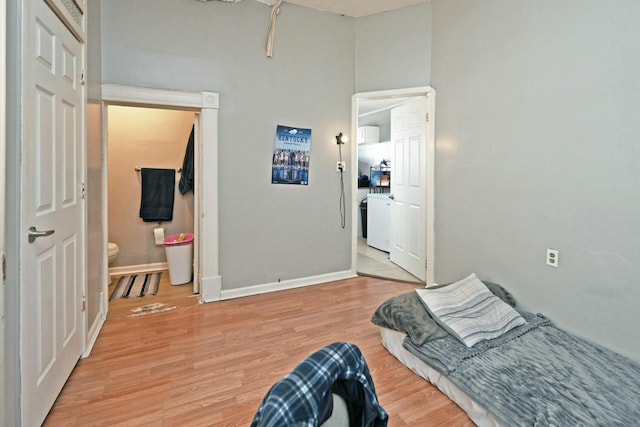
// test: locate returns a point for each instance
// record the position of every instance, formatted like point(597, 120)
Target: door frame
point(429, 237)
point(3, 102)
point(207, 279)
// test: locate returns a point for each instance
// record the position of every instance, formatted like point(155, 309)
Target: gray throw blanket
point(539, 375)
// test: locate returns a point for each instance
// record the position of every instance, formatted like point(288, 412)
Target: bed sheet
point(392, 341)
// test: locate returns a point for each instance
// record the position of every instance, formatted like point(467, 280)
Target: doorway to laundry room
point(150, 206)
point(393, 215)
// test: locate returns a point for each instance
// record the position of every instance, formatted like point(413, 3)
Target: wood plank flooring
point(212, 364)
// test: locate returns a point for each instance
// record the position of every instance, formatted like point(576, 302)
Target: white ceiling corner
point(353, 8)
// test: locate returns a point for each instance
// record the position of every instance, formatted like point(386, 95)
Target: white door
point(409, 186)
point(52, 266)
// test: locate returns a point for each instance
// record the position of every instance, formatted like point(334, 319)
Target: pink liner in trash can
point(174, 239)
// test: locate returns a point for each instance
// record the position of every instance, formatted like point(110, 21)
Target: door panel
point(53, 266)
point(408, 219)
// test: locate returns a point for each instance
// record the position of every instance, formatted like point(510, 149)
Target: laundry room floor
point(376, 263)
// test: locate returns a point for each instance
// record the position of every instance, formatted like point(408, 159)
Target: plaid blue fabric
point(298, 399)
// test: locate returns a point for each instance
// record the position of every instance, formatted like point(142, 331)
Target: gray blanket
point(539, 375)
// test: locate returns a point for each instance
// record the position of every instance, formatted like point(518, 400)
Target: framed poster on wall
point(291, 154)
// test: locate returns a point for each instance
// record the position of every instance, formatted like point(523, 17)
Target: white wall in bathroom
point(145, 137)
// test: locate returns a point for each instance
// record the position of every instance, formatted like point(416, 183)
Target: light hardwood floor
point(212, 364)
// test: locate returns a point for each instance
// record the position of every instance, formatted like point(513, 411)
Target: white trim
point(78, 30)
point(266, 288)
point(140, 268)
point(132, 95)
point(430, 93)
point(431, 187)
point(197, 172)
point(209, 251)
point(206, 104)
point(211, 289)
point(92, 335)
point(105, 214)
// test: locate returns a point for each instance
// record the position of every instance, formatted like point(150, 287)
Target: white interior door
point(409, 186)
point(52, 266)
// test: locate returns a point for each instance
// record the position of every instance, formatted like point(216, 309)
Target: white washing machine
point(379, 221)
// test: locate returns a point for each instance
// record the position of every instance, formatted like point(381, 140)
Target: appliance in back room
point(151, 142)
point(374, 183)
point(379, 221)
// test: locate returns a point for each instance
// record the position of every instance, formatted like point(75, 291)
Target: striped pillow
point(469, 311)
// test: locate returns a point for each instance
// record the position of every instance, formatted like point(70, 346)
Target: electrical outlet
point(341, 166)
point(552, 257)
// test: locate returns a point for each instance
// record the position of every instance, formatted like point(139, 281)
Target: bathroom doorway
point(145, 137)
point(201, 108)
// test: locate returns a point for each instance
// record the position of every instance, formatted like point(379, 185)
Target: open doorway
point(146, 141)
point(393, 215)
point(203, 107)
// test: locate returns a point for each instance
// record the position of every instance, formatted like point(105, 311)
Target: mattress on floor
point(392, 341)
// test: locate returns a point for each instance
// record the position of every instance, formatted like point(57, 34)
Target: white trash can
point(179, 249)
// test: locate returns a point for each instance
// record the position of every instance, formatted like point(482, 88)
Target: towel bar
point(138, 169)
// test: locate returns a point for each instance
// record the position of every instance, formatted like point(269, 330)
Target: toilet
point(112, 251)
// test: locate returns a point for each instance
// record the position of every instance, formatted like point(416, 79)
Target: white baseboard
point(210, 289)
point(92, 335)
point(141, 268)
point(286, 284)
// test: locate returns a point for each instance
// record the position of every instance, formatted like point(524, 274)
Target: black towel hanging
point(158, 192)
point(186, 179)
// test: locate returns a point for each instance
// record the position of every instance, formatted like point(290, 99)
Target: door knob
point(33, 233)
point(391, 196)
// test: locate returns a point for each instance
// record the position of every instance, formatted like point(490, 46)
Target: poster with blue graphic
point(291, 156)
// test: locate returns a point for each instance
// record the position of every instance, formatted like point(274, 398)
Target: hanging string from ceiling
point(275, 11)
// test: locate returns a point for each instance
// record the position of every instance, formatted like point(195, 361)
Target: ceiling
point(355, 8)
point(375, 112)
point(372, 106)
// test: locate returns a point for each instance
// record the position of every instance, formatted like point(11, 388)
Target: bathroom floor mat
point(136, 285)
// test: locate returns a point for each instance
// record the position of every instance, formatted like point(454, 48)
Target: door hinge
point(84, 303)
point(427, 117)
point(4, 268)
point(83, 191)
point(82, 81)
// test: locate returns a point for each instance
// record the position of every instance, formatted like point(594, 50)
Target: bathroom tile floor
point(169, 297)
point(376, 263)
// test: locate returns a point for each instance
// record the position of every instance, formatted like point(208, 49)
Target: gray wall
point(537, 131)
point(267, 232)
point(535, 124)
point(393, 49)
